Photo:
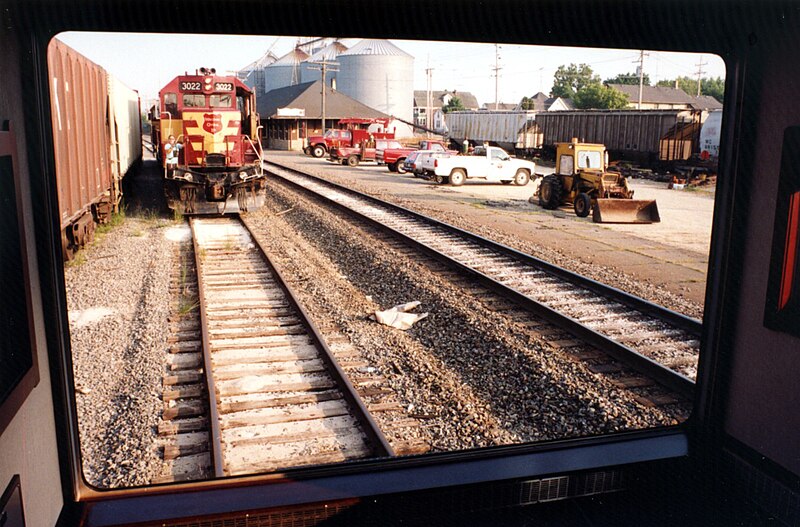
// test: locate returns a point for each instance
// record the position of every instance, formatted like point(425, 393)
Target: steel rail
point(370, 427)
point(658, 372)
point(213, 415)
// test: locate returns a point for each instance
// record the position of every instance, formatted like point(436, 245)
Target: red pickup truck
point(366, 151)
point(353, 133)
point(394, 157)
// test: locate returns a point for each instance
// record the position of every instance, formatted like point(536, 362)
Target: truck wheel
point(438, 180)
point(352, 161)
point(392, 167)
point(506, 182)
point(550, 192)
point(307, 151)
point(522, 177)
point(400, 168)
point(457, 177)
point(582, 204)
point(318, 151)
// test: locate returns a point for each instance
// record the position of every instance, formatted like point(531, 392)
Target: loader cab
point(580, 156)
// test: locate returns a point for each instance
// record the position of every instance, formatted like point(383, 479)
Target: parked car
point(394, 157)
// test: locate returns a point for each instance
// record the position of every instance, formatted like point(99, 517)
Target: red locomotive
point(206, 133)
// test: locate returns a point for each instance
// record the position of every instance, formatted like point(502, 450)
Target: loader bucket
point(626, 211)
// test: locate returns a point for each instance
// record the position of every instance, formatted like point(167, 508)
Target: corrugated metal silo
point(309, 70)
point(285, 71)
point(253, 74)
point(380, 75)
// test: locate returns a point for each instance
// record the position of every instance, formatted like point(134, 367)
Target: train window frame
point(23, 372)
point(373, 477)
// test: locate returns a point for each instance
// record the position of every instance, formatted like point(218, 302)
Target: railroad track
point(184, 428)
point(653, 340)
point(276, 396)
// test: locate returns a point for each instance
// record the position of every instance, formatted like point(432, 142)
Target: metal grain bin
point(310, 69)
point(285, 71)
point(79, 106)
point(379, 74)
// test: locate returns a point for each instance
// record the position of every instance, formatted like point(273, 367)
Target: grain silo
point(253, 74)
point(285, 71)
point(379, 74)
point(310, 69)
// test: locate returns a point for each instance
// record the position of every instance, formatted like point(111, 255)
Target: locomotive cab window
point(171, 103)
point(234, 311)
point(194, 100)
point(219, 101)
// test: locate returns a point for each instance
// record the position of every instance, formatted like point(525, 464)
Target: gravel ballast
point(118, 301)
point(479, 379)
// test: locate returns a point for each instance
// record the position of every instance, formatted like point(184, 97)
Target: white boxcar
point(125, 127)
point(514, 131)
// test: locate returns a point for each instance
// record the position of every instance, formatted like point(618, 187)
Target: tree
point(628, 78)
point(453, 105)
point(527, 103)
point(713, 87)
point(568, 80)
point(597, 96)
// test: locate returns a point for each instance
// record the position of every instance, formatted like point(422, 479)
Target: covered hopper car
point(89, 103)
point(646, 136)
point(215, 125)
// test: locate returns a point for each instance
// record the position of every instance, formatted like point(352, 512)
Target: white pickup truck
point(489, 163)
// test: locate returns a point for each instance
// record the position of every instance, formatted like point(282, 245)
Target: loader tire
point(457, 177)
point(550, 192)
point(582, 205)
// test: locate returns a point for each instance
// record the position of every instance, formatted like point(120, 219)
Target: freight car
point(649, 137)
point(214, 120)
point(644, 136)
point(515, 131)
point(89, 103)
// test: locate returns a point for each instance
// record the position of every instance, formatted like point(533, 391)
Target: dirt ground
point(672, 254)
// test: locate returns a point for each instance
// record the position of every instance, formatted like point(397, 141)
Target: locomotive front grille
point(216, 160)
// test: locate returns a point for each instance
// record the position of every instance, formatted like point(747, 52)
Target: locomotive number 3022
point(190, 86)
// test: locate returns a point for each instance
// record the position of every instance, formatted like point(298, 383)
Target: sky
point(146, 62)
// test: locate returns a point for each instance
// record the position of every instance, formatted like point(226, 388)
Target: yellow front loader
point(581, 179)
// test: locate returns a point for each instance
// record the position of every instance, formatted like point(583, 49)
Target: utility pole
point(496, 69)
point(323, 68)
point(642, 55)
point(700, 73)
point(429, 100)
